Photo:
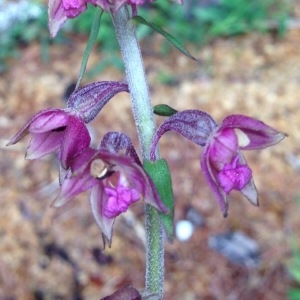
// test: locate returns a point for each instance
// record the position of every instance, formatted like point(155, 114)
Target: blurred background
point(249, 63)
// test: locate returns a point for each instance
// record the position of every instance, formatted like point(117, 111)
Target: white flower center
point(242, 137)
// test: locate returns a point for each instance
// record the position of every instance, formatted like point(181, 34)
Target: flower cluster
point(113, 171)
point(222, 162)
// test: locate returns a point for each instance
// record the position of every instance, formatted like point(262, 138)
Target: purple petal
point(42, 144)
point(89, 100)
point(210, 177)
point(195, 125)
point(45, 120)
point(259, 134)
point(249, 191)
point(223, 147)
point(61, 10)
point(73, 186)
point(97, 199)
point(56, 16)
point(83, 161)
point(50, 119)
point(76, 139)
point(74, 7)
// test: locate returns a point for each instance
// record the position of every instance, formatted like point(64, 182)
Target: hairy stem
point(144, 120)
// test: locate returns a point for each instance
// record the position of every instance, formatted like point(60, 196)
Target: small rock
point(237, 248)
point(184, 230)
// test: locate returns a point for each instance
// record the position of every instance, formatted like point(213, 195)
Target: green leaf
point(92, 39)
point(168, 36)
point(160, 175)
point(294, 294)
point(164, 110)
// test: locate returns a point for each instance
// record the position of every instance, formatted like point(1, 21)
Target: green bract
point(160, 175)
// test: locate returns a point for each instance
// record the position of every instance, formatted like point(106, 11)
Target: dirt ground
point(49, 253)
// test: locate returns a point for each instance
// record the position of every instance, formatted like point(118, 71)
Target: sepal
point(117, 142)
point(195, 125)
point(89, 100)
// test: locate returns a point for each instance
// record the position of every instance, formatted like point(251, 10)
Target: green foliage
point(188, 23)
point(199, 25)
point(177, 44)
point(164, 110)
point(90, 43)
point(106, 36)
point(294, 270)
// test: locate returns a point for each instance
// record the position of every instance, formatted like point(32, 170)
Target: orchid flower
point(115, 178)
point(59, 11)
point(222, 162)
point(64, 130)
point(54, 130)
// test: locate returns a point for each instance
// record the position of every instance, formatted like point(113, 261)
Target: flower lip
point(234, 176)
point(119, 199)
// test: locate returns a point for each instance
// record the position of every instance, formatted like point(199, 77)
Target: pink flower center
point(234, 176)
point(119, 199)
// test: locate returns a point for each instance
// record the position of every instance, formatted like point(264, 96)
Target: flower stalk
point(145, 124)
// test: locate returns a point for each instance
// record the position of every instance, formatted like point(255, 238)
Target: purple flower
point(59, 11)
point(64, 130)
point(54, 130)
point(116, 181)
point(222, 162)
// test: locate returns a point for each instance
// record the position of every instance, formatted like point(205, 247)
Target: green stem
point(92, 39)
point(144, 120)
